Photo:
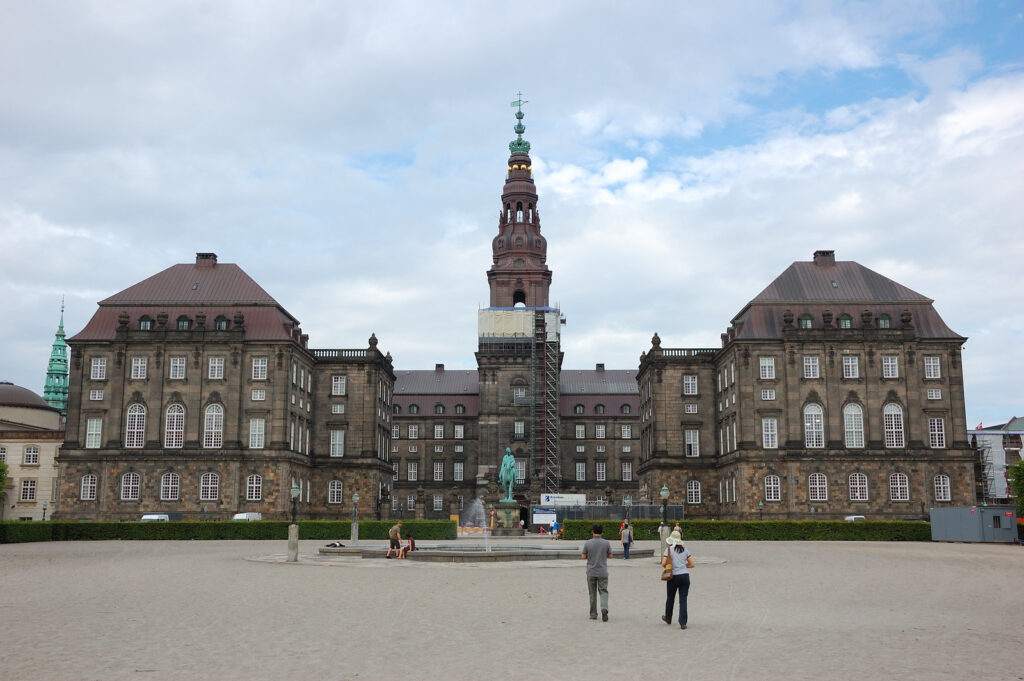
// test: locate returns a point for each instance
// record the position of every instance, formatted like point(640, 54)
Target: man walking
point(395, 535)
point(596, 551)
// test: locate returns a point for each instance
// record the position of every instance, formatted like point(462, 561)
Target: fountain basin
point(479, 553)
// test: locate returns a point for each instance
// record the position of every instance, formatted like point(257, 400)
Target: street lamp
point(355, 518)
point(664, 504)
point(760, 510)
point(295, 497)
point(44, 510)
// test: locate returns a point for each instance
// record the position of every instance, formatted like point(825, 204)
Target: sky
point(350, 158)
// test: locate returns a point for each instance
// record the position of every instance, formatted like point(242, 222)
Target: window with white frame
point(626, 409)
point(257, 433)
point(93, 433)
point(413, 448)
point(689, 408)
point(254, 488)
point(931, 367)
point(3, 454)
point(28, 490)
point(215, 369)
point(438, 502)
point(209, 487)
point(853, 425)
point(814, 426)
point(460, 431)
point(934, 393)
point(626, 449)
point(410, 502)
point(581, 470)
point(851, 367)
point(438, 471)
point(599, 448)
point(457, 470)
point(174, 427)
point(87, 490)
point(601, 471)
point(858, 487)
point(259, 368)
point(772, 488)
point(937, 433)
point(692, 442)
point(581, 431)
point(213, 427)
point(942, 492)
point(890, 366)
point(439, 431)
point(627, 432)
point(337, 408)
point(768, 394)
point(459, 449)
point(135, 427)
point(817, 487)
point(177, 365)
point(130, 483)
point(338, 385)
point(580, 449)
point(845, 321)
point(520, 471)
point(396, 432)
point(170, 487)
point(95, 395)
point(884, 321)
point(98, 369)
point(693, 492)
point(770, 432)
point(627, 471)
point(892, 424)
point(690, 384)
point(414, 432)
point(259, 395)
point(811, 367)
point(412, 471)
point(139, 366)
point(806, 321)
point(767, 368)
point(414, 409)
point(899, 487)
point(337, 443)
point(518, 393)
point(335, 492)
point(599, 431)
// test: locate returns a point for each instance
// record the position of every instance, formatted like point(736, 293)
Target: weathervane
point(519, 145)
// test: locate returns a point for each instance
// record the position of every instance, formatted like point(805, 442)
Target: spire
point(519, 145)
point(55, 392)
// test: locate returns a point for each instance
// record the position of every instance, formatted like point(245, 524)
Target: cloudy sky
point(350, 158)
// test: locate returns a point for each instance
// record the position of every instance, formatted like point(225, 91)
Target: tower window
point(519, 299)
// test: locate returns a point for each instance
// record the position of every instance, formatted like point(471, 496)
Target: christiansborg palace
point(834, 391)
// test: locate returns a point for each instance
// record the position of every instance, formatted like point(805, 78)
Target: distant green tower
point(55, 392)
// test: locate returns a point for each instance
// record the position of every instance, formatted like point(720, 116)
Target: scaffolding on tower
point(546, 400)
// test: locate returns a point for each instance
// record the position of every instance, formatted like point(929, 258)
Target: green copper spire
point(519, 145)
point(55, 392)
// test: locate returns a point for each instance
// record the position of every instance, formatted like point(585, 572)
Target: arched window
point(693, 492)
point(254, 487)
point(884, 321)
point(88, 488)
point(135, 427)
point(892, 421)
point(599, 409)
point(853, 425)
point(220, 323)
point(130, 484)
point(460, 409)
point(814, 426)
point(170, 487)
point(438, 408)
point(184, 323)
point(145, 323)
point(209, 487)
point(817, 487)
point(858, 487)
point(396, 409)
point(213, 427)
point(899, 487)
point(578, 409)
point(845, 321)
point(174, 427)
point(626, 409)
point(942, 488)
point(772, 488)
point(519, 297)
point(334, 492)
point(806, 321)
point(414, 409)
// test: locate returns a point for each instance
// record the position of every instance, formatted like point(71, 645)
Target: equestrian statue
point(507, 474)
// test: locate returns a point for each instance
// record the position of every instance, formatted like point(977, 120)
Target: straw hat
point(674, 539)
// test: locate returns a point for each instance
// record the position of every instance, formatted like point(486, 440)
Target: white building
point(31, 433)
point(999, 447)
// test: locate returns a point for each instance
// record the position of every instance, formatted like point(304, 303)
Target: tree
point(1016, 476)
point(3, 479)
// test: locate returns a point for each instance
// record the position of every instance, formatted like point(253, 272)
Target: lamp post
point(293, 529)
point(355, 519)
point(44, 510)
point(664, 504)
point(760, 510)
point(295, 498)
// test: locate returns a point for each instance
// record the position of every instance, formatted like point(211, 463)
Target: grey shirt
point(596, 550)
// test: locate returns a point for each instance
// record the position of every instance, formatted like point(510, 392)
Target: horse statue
point(507, 474)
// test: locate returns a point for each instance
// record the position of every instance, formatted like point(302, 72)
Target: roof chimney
point(438, 367)
point(206, 259)
point(600, 367)
point(824, 257)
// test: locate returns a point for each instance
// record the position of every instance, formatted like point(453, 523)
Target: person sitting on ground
point(411, 546)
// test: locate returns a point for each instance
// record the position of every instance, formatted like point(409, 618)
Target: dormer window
point(414, 409)
point(438, 408)
point(806, 322)
point(884, 321)
point(145, 323)
point(460, 409)
point(599, 409)
point(184, 323)
point(845, 321)
point(578, 409)
point(220, 323)
point(626, 409)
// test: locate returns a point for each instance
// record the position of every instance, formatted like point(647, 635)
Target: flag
point(978, 427)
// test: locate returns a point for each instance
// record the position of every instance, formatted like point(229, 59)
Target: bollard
point(293, 543)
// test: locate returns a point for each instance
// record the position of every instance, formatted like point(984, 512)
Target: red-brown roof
point(193, 284)
point(261, 323)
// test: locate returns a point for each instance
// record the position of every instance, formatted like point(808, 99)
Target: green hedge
point(766, 530)
point(19, 531)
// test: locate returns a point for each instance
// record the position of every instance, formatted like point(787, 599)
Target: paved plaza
point(758, 610)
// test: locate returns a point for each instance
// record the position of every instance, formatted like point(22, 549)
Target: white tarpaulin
point(506, 323)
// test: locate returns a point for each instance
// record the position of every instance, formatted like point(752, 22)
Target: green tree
point(1016, 476)
point(3, 479)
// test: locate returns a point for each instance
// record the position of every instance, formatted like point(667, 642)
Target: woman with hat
point(678, 557)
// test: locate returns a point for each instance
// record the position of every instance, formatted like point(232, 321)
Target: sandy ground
point(235, 610)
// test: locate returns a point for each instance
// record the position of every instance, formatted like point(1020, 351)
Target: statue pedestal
point(507, 517)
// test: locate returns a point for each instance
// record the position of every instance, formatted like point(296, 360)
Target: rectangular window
point(95, 395)
point(460, 431)
point(337, 408)
point(518, 393)
point(581, 470)
point(439, 431)
point(410, 502)
point(99, 369)
point(931, 367)
point(942, 488)
point(412, 470)
point(414, 432)
point(811, 367)
point(581, 431)
point(937, 433)
point(599, 449)
point(28, 490)
point(601, 470)
point(337, 443)
point(692, 440)
point(216, 368)
point(257, 429)
point(768, 394)
point(851, 369)
point(690, 408)
point(626, 449)
point(772, 488)
point(627, 471)
point(689, 385)
point(338, 385)
point(438, 502)
point(259, 368)
point(139, 365)
point(259, 395)
point(890, 366)
point(520, 471)
point(934, 393)
point(396, 432)
point(31, 456)
point(627, 432)
point(459, 449)
point(88, 488)
point(599, 431)
point(858, 487)
point(770, 433)
point(438, 471)
point(767, 368)
point(177, 368)
point(457, 469)
point(93, 433)
point(580, 449)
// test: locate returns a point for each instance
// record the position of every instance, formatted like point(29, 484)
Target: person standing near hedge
point(678, 557)
point(395, 536)
point(596, 551)
point(626, 535)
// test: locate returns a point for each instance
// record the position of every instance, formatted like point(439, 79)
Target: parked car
point(853, 518)
point(247, 516)
point(155, 518)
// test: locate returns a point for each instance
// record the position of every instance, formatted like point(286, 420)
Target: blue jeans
point(597, 585)
point(680, 583)
point(625, 550)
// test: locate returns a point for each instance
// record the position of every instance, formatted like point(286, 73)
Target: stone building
point(31, 432)
point(836, 392)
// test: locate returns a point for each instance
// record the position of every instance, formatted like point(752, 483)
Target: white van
point(853, 518)
point(247, 516)
point(155, 518)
